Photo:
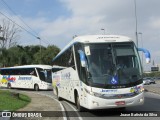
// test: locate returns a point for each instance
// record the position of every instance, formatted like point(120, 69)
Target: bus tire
point(9, 85)
point(59, 98)
point(122, 108)
point(79, 107)
point(36, 87)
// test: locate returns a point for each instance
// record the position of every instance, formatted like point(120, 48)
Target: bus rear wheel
point(36, 87)
point(122, 108)
point(9, 85)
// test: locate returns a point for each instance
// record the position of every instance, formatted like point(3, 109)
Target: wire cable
point(18, 25)
point(18, 17)
point(46, 41)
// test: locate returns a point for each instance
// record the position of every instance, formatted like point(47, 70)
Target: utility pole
point(40, 49)
point(2, 38)
point(142, 46)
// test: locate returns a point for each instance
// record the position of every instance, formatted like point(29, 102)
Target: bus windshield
point(113, 65)
point(45, 74)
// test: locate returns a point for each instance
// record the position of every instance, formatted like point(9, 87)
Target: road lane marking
point(79, 117)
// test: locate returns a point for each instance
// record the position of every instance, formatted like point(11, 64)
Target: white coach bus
point(27, 76)
point(100, 71)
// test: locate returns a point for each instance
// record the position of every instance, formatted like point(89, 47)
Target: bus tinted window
point(45, 74)
point(66, 59)
point(19, 71)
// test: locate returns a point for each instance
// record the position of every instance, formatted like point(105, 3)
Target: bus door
point(33, 76)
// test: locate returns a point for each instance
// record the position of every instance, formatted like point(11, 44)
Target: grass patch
point(8, 100)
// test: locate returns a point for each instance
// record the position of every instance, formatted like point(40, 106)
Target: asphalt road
point(150, 106)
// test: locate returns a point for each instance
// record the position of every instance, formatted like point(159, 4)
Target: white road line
point(62, 108)
point(79, 117)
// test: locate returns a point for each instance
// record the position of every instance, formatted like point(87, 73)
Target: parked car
point(148, 81)
point(152, 81)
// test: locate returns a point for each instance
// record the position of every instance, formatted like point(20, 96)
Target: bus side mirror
point(146, 53)
point(82, 58)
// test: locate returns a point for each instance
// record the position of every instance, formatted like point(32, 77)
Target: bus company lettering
point(112, 91)
point(66, 76)
point(24, 78)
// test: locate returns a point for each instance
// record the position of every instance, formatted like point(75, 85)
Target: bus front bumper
point(100, 103)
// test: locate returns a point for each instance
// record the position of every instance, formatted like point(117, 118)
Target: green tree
point(31, 51)
point(49, 54)
point(19, 55)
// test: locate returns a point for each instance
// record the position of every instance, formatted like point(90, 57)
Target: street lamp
point(103, 30)
point(40, 49)
point(135, 7)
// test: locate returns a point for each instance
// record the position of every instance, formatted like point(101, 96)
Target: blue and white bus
point(27, 76)
point(100, 71)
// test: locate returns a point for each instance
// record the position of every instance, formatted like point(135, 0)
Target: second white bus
point(27, 76)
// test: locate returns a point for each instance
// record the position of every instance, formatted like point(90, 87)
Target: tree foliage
point(12, 54)
point(152, 74)
point(24, 55)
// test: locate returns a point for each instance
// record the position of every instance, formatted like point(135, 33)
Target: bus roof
point(56, 66)
point(30, 66)
point(101, 38)
point(95, 39)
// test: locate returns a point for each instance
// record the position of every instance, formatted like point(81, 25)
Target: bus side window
point(71, 59)
point(33, 72)
point(41, 74)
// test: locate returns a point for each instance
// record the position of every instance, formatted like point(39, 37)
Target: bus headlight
point(137, 89)
point(140, 89)
point(93, 93)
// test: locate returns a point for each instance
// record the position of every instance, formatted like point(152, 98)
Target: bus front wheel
point(59, 98)
point(36, 87)
point(79, 107)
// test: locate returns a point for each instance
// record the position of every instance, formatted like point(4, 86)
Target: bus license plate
point(120, 103)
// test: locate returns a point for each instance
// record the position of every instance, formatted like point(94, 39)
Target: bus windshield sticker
point(87, 50)
point(114, 80)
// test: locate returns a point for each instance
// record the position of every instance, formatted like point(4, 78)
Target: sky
point(57, 21)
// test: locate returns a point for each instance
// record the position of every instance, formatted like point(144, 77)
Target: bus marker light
point(141, 100)
point(95, 103)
